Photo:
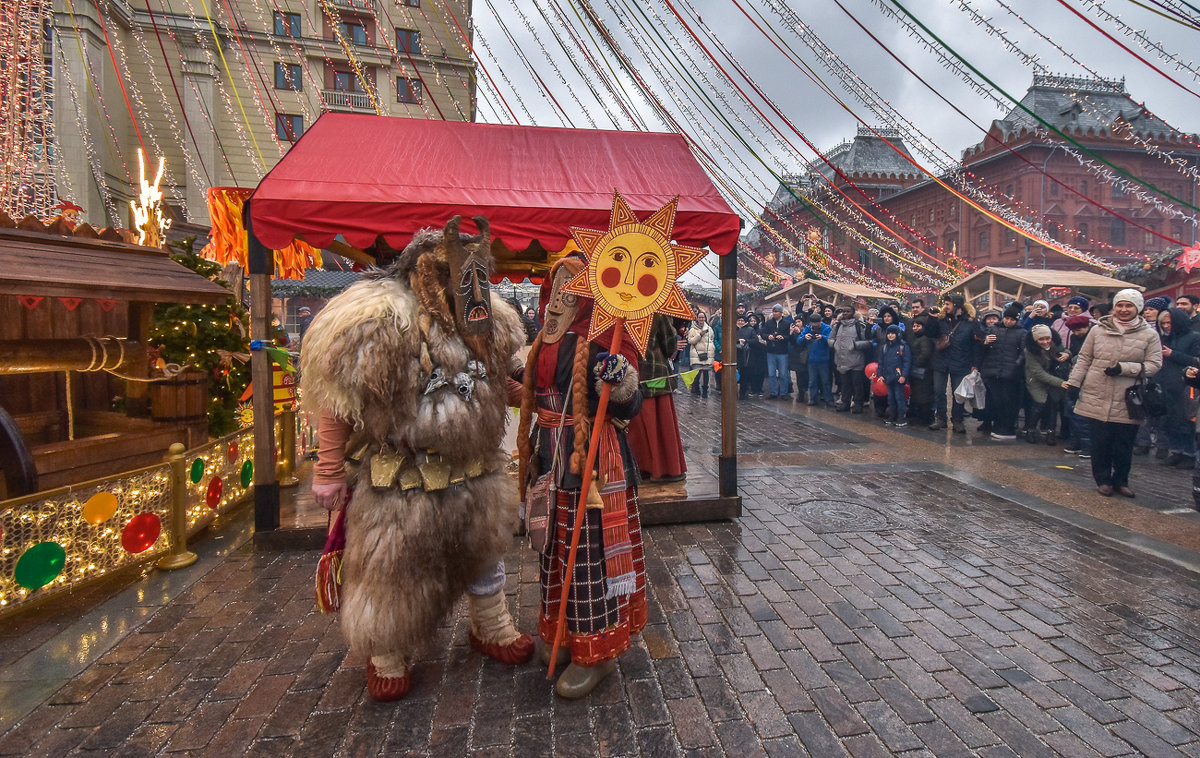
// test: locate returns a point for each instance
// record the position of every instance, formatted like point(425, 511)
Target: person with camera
point(813, 339)
point(1120, 349)
point(704, 350)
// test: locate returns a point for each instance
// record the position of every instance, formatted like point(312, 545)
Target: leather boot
point(938, 424)
point(388, 678)
point(578, 681)
point(492, 630)
point(564, 656)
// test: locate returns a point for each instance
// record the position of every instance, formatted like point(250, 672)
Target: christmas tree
point(213, 339)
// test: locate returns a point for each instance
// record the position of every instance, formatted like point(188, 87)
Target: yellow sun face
point(632, 270)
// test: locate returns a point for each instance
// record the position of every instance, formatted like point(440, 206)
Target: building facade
point(222, 88)
point(1014, 163)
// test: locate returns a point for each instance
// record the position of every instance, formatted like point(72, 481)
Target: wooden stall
point(828, 292)
point(75, 313)
point(993, 286)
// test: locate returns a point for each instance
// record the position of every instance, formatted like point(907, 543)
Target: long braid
point(524, 446)
point(579, 404)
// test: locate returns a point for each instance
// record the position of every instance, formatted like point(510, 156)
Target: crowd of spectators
point(1051, 374)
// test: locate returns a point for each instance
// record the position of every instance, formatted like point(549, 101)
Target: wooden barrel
point(183, 399)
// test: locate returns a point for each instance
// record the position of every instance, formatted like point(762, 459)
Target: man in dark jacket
point(776, 330)
point(1181, 350)
point(851, 342)
point(954, 361)
point(1003, 369)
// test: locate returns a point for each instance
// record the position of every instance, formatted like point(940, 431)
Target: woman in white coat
point(701, 338)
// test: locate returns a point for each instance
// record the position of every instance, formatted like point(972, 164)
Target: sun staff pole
point(727, 462)
point(589, 468)
point(260, 262)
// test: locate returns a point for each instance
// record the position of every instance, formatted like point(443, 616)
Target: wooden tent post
point(727, 463)
point(260, 263)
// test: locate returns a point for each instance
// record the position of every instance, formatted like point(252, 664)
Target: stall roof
point(1040, 278)
point(360, 175)
point(54, 266)
point(822, 288)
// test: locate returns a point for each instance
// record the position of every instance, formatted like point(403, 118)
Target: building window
point(408, 40)
point(1118, 191)
point(1150, 238)
point(288, 127)
point(1010, 237)
point(1116, 232)
point(346, 81)
point(287, 76)
point(1053, 188)
point(351, 32)
point(413, 3)
point(931, 215)
point(1083, 233)
point(984, 240)
point(408, 90)
point(287, 24)
point(953, 212)
point(1083, 188)
point(1009, 191)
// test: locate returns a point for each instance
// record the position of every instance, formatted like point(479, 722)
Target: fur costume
point(395, 358)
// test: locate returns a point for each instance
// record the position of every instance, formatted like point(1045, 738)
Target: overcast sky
point(811, 111)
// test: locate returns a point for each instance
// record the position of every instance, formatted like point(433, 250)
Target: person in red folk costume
point(654, 431)
point(411, 371)
point(607, 596)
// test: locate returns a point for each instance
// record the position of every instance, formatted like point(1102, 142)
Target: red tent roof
point(361, 175)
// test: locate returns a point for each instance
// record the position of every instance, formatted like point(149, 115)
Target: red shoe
point(386, 689)
point(516, 652)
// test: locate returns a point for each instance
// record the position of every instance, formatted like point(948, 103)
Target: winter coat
point(921, 375)
point(1028, 322)
point(1041, 366)
point(818, 346)
point(656, 363)
point(1185, 351)
point(962, 354)
point(781, 330)
point(850, 340)
point(896, 361)
point(879, 337)
point(1138, 348)
point(704, 346)
point(1003, 358)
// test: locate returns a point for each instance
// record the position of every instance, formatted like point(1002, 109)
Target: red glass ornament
point(213, 498)
point(233, 451)
point(141, 532)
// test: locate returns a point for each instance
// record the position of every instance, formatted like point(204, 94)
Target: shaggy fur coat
point(409, 557)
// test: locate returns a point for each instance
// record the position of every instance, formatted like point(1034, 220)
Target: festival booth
point(75, 315)
point(828, 292)
point(992, 286)
point(353, 178)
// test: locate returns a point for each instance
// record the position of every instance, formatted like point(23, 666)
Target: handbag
point(1145, 399)
point(702, 357)
point(943, 340)
point(328, 580)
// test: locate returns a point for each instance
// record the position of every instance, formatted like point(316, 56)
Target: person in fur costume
point(607, 598)
point(410, 370)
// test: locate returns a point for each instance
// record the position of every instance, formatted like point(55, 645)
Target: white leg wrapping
point(490, 620)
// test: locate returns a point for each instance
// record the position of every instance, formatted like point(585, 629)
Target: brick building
point(1093, 112)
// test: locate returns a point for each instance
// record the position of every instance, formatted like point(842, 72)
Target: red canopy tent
point(360, 176)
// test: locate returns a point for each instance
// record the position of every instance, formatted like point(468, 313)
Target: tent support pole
point(727, 463)
point(266, 487)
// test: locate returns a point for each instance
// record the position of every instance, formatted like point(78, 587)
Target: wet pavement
point(882, 594)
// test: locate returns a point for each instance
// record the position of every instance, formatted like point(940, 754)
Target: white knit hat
point(1042, 303)
point(1130, 296)
point(1040, 330)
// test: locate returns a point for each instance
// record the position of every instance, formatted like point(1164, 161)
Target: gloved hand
point(330, 496)
point(611, 368)
point(1114, 370)
point(1072, 393)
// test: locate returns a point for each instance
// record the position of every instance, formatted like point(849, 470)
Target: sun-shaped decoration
point(632, 270)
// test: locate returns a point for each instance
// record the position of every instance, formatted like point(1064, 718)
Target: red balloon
point(872, 370)
point(141, 532)
point(213, 498)
point(907, 390)
point(879, 387)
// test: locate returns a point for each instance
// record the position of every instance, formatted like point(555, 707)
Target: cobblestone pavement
point(870, 608)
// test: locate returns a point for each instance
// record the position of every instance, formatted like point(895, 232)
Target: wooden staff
point(581, 507)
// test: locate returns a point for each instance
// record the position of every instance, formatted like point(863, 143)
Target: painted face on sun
point(631, 271)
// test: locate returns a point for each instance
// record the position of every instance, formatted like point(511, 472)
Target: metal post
point(287, 448)
point(180, 556)
point(266, 488)
point(727, 463)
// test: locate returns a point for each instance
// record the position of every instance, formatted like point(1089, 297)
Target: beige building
point(223, 114)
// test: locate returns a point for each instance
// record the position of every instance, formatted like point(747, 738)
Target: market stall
point(352, 179)
point(827, 291)
point(992, 286)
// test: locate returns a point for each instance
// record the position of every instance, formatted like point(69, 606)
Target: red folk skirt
point(598, 627)
point(653, 436)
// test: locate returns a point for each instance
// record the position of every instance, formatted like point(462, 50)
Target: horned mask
point(470, 265)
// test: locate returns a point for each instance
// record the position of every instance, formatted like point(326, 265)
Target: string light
point(148, 217)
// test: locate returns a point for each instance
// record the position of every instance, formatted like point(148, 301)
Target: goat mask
point(561, 307)
point(470, 265)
